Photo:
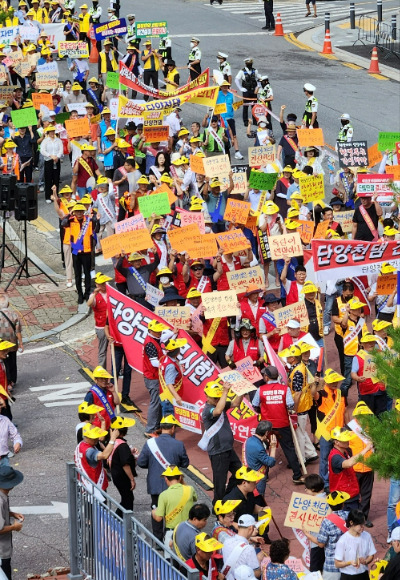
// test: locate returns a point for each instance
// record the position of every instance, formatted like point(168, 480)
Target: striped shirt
point(8, 431)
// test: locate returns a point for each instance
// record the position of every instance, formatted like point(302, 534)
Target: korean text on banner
point(239, 385)
point(261, 156)
point(387, 140)
point(393, 170)
point(216, 166)
point(247, 369)
point(77, 127)
point(220, 304)
point(305, 511)
point(203, 246)
point(165, 189)
point(354, 154)
point(178, 316)
point(386, 284)
point(233, 241)
point(156, 203)
point(321, 230)
point(285, 246)
point(220, 109)
point(113, 28)
point(310, 137)
point(46, 81)
point(240, 280)
point(237, 211)
point(196, 164)
point(298, 310)
point(42, 99)
point(24, 117)
point(371, 184)
point(73, 49)
point(131, 224)
point(181, 238)
point(335, 259)
point(133, 241)
point(345, 219)
point(239, 181)
point(190, 217)
point(156, 134)
point(153, 295)
point(306, 230)
point(262, 180)
point(112, 80)
point(145, 29)
point(312, 188)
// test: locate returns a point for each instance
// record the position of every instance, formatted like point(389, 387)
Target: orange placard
point(196, 164)
point(233, 241)
point(237, 211)
point(156, 134)
point(374, 156)
point(42, 99)
point(164, 188)
point(251, 223)
point(393, 170)
point(310, 137)
point(134, 241)
point(321, 229)
point(204, 246)
point(181, 238)
point(386, 284)
point(77, 127)
point(285, 246)
point(306, 230)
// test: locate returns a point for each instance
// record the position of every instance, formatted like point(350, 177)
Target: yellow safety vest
point(342, 311)
point(103, 62)
point(170, 77)
point(306, 399)
point(11, 22)
point(151, 62)
point(84, 22)
point(351, 348)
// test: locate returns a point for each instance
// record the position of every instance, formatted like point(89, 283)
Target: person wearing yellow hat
point(157, 455)
point(87, 414)
point(217, 439)
point(94, 93)
point(380, 331)
point(105, 206)
point(89, 459)
point(98, 303)
point(225, 527)
point(105, 123)
point(10, 162)
point(108, 144)
point(84, 171)
point(215, 138)
point(104, 394)
point(366, 219)
point(385, 304)
point(203, 560)
point(270, 223)
point(137, 275)
point(314, 310)
point(352, 328)
point(170, 375)
point(246, 483)
point(174, 503)
point(122, 463)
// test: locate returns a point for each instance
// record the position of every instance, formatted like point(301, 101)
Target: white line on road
point(57, 507)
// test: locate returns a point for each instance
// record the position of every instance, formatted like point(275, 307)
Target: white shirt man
point(237, 550)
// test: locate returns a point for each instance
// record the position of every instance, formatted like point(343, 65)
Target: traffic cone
point(278, 26)
point(374, 65)
point(327, 48)
point(94, 53)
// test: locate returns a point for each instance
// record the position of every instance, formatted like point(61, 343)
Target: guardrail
point(382, 35)
point(107, 542)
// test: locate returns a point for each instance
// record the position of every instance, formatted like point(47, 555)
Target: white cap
point(223, 55)
point(248, 59)
point(309, 87)
point(244, 572)
point(293, 324)
point(264, 78)
point(345, 116)
point(395, 535)
point(247, 520)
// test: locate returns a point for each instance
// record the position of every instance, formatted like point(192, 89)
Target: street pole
point(379, 10)
point(394, 27)
point(352, 16)
point(328, 20)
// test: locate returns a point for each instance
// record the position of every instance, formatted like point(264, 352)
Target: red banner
point(371, 184)
point(128, 322)
point(129, 79)
point(336, 259)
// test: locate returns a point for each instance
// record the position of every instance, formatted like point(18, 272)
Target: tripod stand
point(23, 265)
point(4, 246)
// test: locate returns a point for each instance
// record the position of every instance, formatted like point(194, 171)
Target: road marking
point(42, 225)
point(62, 395)
point(56, 507)
point(379, 77)
point(81, 340)
point(351, 65)
point(329, 56)
point(217, 34)
point(293, 40)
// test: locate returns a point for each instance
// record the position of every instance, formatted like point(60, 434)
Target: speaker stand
point(5, 247)
point(22, 269)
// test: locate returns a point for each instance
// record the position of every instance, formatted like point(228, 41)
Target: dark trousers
point(82, 261)
point(222, 464)
point(11, 366)
point(26, 173)
point(376, 402)
point(218, 357)
point(317, 559)
point(126, 381)
point(6, 567)
point(157, 527)
point(286, 442)
point(340, 348)
point(122, 287)
point(366, 483)
point(194, 71)
point(352, 504)
point(151, 75)
point(247, 108)
point(126, 494)
point(51, 176)
point(269, 17)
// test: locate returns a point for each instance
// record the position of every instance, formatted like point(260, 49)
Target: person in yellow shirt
point(37, 12)
point(151, 59)
point(84, 23)
point(107, 60)
point(352, 328)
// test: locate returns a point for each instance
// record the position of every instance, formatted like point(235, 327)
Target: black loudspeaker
point(7, 192)
point(26, 202)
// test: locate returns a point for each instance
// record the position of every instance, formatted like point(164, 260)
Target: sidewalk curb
point(309, 38)
point(75, 319)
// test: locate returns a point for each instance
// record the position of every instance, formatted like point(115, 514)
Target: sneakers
point(298, 481)
point(48, 200)
point(311, 459)
point(238, 155)
point(41, 188)
point(368, 524)
point(69, 284)
point(326, 330)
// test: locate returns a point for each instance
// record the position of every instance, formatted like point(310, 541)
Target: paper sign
point(220, 304)
point(188, 416)
point(305, 511)
point(298, 310)
point(73, 49)
point(180, 238)
point(345, 219)
point(220, 109)
point(306, 231)
point(6, 92)
point(239, 385)
point(354, 154)
point(374, 156)
point(127, 242)
point(310, 137)
point(285, 246)
point(216, 166)
point(262, 180)
point(153, 122)
point(112, 80)
point(42, 99)
point(370, 184)
point(29, 32)
point(240, 280)
point(153, 295)
point(247, 369)
point(321, 229)
point(164, 188)
point(131, 224)
point(233, 241)
point(369, 371)
point(146, 29)
point(24, 117)
point(46, 81)
point(178, 316)
point(80, 108)
point(312, 188)
point(156, 134)
point(386, 284)
point(251, 223)
point(237, 211)
point(77, 127)
point(196, 164)
point(387, 141)
point(203, 246)
point(115, 27)
point(393, 170)
point(191, 217)
point(62, 117)
point(238, 104)
point(261, 156)
point(23, 68)
point(157, 203)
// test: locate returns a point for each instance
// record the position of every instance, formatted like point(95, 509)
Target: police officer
point(224, 66)
point(311, 108)
point(194, 60)
point(265, 96)
point(95, 16)
point(346, 131)
point(246, 81)
point(131, 32)
point(164, 48)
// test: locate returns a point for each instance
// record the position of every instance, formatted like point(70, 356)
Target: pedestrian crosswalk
point(292, 13)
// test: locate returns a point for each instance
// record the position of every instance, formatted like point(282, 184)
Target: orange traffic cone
point(278, 26)
point(374, 65)
point(327, 48)
point(94, 53)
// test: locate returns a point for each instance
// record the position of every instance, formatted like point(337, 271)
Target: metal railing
point(107, 542)
point(383, 36)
